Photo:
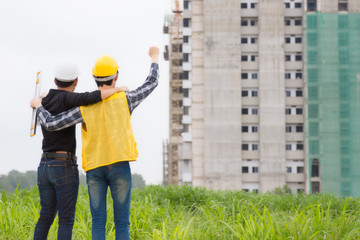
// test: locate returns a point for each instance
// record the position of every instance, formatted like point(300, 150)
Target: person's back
point(109, 145)
point(107, 134)
point(57, 101)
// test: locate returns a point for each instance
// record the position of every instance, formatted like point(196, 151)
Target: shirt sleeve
point(73, 99)
point(60, 121)
point(138, 95)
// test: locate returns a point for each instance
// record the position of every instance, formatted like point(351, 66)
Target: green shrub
point(185, 212)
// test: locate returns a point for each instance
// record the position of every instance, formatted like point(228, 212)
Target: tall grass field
point(185, 212)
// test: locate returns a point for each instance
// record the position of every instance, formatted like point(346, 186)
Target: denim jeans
point(118, 177)
point(58, 182)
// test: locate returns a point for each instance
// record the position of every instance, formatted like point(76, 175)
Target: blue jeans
point(118, 177)
point(58, 182)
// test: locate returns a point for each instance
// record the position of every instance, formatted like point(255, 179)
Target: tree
point(282, 190)
point(137, 181)
point(5, 183)
point(14, 178)
point(28, 179)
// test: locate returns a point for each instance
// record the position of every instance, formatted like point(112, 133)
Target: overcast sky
point(35, 34)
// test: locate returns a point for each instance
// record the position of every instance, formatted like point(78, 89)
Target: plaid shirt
point(73, 116)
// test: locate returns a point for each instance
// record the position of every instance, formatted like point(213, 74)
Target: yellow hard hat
point(105, 66)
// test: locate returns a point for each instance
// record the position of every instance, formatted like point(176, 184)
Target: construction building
point(270, 95)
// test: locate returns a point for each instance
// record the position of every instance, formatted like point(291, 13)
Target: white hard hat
point(66, 70)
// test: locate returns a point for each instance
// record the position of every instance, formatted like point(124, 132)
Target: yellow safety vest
point(107, 136)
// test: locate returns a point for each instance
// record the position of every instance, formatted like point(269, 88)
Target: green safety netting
point(333, 100)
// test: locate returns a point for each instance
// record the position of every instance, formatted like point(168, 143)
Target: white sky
point(35, 34)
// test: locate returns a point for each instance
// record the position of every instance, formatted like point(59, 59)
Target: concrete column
point(272, 95)
point(197, 45)
point(222, 85)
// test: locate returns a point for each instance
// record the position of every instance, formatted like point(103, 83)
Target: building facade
point(256, 109)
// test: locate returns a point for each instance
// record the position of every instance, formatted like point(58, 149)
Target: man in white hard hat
point(58, 176)
point(108, 142)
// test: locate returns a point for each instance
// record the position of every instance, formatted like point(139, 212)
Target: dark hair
point(64, 84)
point(100, 84)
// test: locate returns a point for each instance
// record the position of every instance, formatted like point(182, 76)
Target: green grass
point(159, 212)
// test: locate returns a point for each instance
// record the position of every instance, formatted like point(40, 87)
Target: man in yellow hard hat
point(58, 177)
point(108, 142)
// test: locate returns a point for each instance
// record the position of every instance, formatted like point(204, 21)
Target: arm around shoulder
point(60, 121)
point(105, 93)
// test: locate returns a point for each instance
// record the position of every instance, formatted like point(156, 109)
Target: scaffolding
point(173, 53)
point(333, 102)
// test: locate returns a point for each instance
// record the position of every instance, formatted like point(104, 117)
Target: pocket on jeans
point(59, 174)
point(121, 168)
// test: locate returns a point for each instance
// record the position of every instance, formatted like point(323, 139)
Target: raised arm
point(136, 96)
point(154, 54)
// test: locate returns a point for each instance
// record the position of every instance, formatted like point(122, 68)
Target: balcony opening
point(315, 187)
point(315, 168)
point(311, 5)
point(343, 5)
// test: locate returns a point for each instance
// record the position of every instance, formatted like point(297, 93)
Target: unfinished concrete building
point(246, 123)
